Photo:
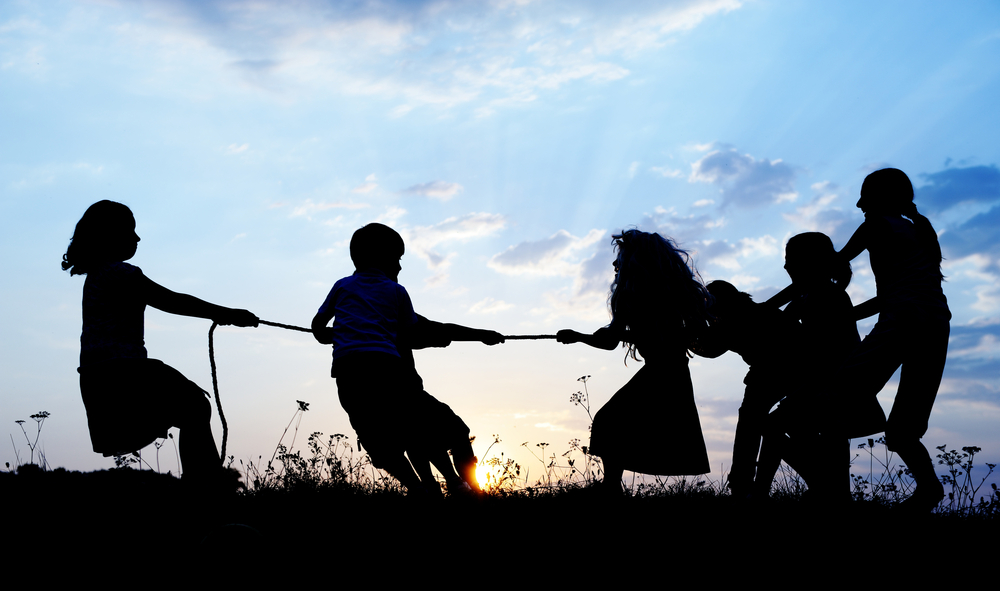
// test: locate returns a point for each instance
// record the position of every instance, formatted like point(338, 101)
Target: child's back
point(369, 310)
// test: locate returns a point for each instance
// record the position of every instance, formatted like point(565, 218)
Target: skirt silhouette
point(651, 425)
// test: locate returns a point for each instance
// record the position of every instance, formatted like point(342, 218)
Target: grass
point(332, 463)
point(323, 511)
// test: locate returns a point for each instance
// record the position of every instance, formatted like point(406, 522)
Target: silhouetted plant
point(891, 483)
point(39, 419)
point(964, 490)
point(330, 463)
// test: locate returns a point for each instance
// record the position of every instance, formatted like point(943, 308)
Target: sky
point(506, 141)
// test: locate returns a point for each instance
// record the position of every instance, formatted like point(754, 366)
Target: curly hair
point(657, 287)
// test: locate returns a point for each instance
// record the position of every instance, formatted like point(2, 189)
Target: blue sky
point(506, 141)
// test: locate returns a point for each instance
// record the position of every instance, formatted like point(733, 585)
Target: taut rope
point(215, 376)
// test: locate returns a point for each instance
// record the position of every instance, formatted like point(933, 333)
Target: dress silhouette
point(658, 307)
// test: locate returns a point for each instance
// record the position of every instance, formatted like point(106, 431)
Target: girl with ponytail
point(913, 325)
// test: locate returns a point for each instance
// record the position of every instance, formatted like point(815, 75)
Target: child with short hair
point(374, 329)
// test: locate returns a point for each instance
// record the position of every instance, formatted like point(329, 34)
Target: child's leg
point(446, 430)
point(918, 385)
point(190, 410)
point(613, 472)
point(399, 468)
point(757, 402)
point(422, 467)
point(466, 463)
point(774, 442)
point(199, 455)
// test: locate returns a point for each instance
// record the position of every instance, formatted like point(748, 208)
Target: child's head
point(727, 299)
point(811, 261)
point(890, 192)
point(886, 191)
point(105, 234)
point(377, 246)
point(660, 278)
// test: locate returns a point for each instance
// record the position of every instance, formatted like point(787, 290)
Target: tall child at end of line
point(658, 308)
point(913, 325)
point(374, 326)
point(132, 400)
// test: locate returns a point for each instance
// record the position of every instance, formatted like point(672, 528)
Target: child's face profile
point(125, 241)
point(794, 268)
point(391, 268)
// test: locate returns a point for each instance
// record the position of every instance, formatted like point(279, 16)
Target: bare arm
point(866, 309)
point(857, 243)
point(172, 302)
point(457, 332)
point(782, 297)
point(607, 338)
point(428, 333)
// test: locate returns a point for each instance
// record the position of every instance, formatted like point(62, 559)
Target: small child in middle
point(374, 329)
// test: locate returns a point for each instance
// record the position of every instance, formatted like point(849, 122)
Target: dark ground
point(100, 522)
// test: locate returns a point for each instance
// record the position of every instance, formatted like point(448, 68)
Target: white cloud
point(557, 255)
point(667, 172)
point(400, 110)
point(237, 148)
point(731, 256)
point(565, 255)
point(684, 230)
point(391, 215)
point(424, 241)
point(440, 190)
point(414, 54)
point(489, 306)
point(636, 33)
point(744, 180)
point(822, 215)
point(744, 282)
point(366, 187)
point(308, 207)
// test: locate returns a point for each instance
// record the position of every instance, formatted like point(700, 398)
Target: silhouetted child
point(658, 307)
point(132, 400)
point(810, 429)
point(763, 336)
point(913, 325)
point(374, 329)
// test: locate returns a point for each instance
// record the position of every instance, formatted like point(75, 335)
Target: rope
point(215, 388)
point(285, 326)
point(215, 376)
point(215, 373)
